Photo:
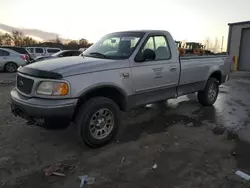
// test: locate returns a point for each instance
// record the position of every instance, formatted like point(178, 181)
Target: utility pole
point(222, 43)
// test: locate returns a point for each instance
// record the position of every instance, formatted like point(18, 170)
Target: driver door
point(156, 79)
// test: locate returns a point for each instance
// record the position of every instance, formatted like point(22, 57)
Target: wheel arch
point(217, 75)
point(9, 62)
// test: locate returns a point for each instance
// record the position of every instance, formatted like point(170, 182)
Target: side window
point(149, 44)
point(4, 53)
point(1, 52)
point(31, 50)
point(161, 48)
point(39, 50)
point(69, 54)
point(50, 50)
point(76, 53)
point(64, 54)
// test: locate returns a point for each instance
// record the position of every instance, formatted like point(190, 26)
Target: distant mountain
point(33, 33)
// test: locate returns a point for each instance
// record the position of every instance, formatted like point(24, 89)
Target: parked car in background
point(10, 60)
point(20, 50)
point(121, 71)
point(42, 51)
point(82, 49)
point(63, 53)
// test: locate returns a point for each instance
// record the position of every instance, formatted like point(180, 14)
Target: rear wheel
point(97, 121)
point(10, 67)
point(208, 96)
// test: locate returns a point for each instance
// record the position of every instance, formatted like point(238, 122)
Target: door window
point(149, 44)
point(4, 53)
point(39, 50)
point(65, 54)
point(76, 53)
point(162, 50)
point(52, 51)
point(160, 46)
point(31, 50)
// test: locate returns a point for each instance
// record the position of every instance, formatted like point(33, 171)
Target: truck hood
point(69, 66)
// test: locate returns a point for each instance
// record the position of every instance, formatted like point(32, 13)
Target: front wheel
point(208, 96)
point(97, 121)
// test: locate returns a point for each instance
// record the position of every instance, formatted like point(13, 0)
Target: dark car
point(63, 53)
point(20, 50)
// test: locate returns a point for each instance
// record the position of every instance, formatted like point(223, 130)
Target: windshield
point(115, 46)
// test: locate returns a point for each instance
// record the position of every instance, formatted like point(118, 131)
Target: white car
point(11, 60)
point(63, 53)
point(82, 49)
point(42, 51)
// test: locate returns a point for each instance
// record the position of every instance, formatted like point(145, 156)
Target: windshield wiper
point(98, 54)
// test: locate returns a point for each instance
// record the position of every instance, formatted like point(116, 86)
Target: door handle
point(173, 69)
point(157, 69)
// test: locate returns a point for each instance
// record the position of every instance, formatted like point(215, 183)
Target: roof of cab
point(142, 31)
point(239, 23)
point(145, 31)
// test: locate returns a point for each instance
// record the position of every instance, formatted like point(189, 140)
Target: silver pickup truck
point(121, 71)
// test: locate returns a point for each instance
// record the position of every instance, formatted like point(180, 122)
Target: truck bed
point(194, 70)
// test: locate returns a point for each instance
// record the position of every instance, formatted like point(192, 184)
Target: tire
point(10, 67)
point(91, 125)
point(208, 96)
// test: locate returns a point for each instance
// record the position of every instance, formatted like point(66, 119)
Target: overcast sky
point(193, 20)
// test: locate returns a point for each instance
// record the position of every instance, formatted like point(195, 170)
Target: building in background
point(239, 44)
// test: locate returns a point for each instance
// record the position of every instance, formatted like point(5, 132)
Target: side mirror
point(147, 55)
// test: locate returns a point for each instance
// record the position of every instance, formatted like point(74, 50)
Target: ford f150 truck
point(121, 71)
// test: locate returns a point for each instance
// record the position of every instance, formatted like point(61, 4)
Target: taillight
point(23, 57)
point(27, 57)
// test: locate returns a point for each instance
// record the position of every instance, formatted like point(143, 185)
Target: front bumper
point(36, 108)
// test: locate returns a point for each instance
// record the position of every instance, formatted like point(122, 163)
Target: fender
point(102, 85)
point(123, 102)
point(212, 70)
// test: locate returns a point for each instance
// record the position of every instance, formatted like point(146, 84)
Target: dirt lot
point(192, 145)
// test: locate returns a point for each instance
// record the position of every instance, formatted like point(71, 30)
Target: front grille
point(24, 84)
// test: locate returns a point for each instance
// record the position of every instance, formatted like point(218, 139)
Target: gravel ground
point(188, 144)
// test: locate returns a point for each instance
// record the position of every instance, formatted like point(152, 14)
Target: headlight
point(53, 88)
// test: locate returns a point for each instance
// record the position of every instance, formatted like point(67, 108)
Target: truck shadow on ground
point(156, 118)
